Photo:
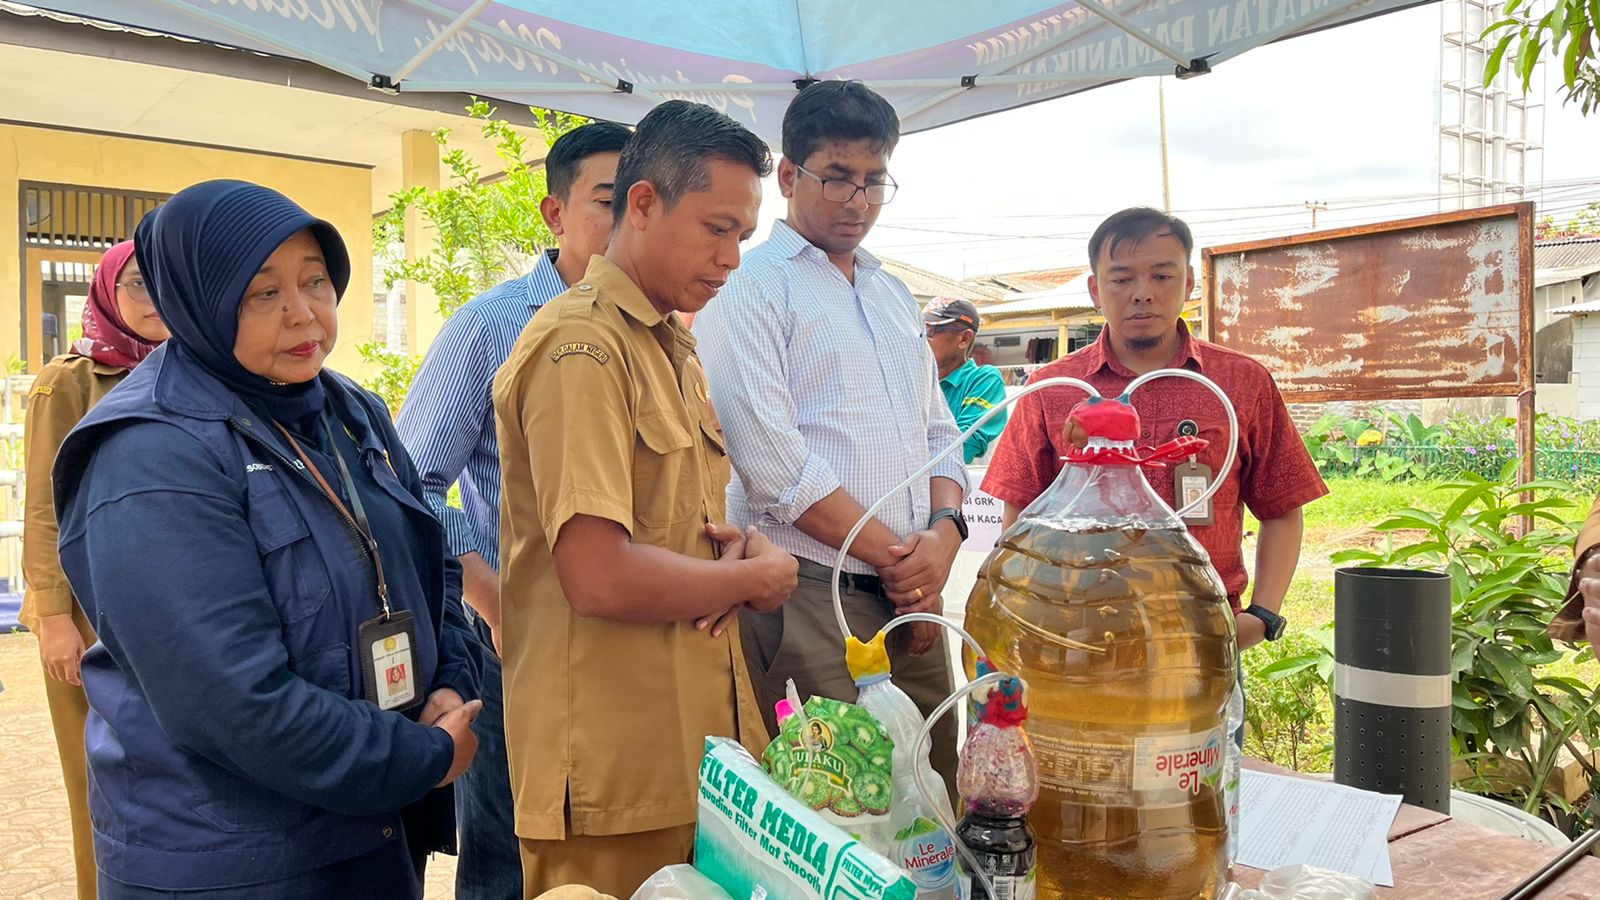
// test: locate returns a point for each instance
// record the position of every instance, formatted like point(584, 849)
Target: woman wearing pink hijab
point(120, 328)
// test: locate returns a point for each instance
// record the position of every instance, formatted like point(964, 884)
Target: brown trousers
point(69, 708)
point(801, 641)
point(611, 864)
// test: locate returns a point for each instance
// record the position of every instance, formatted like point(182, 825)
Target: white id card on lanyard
point(1189, 481)
point(386, 649)
point(384, 644)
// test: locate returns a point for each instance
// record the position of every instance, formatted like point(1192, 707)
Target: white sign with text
point(982, 512)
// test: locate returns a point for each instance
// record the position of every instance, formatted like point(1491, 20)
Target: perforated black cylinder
point(1391, 696)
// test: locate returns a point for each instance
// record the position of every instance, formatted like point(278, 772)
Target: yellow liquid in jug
point(1126, 640)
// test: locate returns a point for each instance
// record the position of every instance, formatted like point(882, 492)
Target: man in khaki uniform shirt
point(620, 590)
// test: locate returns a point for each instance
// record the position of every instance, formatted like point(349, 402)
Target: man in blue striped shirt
point(822, 377)
point(447, 423)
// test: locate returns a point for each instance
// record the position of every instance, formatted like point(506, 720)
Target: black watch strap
point(954, 515)
point(1275, 623)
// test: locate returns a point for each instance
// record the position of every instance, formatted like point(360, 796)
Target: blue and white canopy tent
point(938, 61)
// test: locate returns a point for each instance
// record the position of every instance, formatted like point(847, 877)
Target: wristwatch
point(953, 515)
point(1274, 622)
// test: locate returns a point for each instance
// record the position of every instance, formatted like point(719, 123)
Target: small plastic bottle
point(999, 781)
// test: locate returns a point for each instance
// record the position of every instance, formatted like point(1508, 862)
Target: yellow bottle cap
point(866, 659)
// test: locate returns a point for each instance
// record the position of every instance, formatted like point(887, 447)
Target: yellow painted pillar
point(419, 167)
point(1062, 332)
point(14, 309)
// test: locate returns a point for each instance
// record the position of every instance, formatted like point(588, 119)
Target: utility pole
point(1166, 178)
point(1315, 205)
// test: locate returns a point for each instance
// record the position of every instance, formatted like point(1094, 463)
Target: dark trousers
point(390, 872)
point(801, 641)
point(489, 866)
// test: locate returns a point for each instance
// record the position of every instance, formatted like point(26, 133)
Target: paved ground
point(35, 843)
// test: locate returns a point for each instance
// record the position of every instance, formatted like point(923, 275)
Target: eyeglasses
point(942, 329)
point(843, 190)
point(135, 288)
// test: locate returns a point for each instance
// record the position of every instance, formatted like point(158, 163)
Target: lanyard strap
point(358, 520)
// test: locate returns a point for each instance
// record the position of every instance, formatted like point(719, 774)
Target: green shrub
point(1509, 718)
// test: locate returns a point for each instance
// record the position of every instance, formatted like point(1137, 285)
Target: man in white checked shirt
point(829, 397)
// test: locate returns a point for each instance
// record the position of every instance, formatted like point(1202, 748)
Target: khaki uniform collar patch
point(580, 347)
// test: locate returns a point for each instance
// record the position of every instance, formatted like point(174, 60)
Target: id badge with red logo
point(387, 647)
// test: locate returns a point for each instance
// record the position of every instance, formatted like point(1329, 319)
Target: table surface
point(1438, 858)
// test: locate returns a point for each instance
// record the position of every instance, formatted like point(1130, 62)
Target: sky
point(1347, 117)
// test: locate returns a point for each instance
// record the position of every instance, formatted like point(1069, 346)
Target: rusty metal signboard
point(1432, 307)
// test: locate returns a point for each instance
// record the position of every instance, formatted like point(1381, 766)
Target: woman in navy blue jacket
point(284, 685)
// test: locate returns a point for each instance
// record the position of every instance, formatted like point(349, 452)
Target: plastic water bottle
point(999, 781)
point(1230, 777)
point(915, 838)
point(1103, 602)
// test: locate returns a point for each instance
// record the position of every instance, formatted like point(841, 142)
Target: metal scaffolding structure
point(1490, 148)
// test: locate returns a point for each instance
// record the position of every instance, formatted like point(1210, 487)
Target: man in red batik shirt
point(1140, 281)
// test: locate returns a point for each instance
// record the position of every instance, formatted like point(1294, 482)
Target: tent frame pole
point(1187, 68)
point(617, 84)
point(438, 41)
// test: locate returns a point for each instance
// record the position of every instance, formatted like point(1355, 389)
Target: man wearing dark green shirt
point(970, 389)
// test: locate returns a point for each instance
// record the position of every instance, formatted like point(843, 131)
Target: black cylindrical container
point(1391, 685)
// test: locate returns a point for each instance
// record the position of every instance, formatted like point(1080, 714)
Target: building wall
point(342, 194)
point(1554, 296)
point(1586, 364)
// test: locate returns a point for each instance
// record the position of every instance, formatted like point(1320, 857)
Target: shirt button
point(388, 832)
point(245, 422)
point(585, 287)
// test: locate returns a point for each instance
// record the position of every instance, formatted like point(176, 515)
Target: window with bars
point(78, 217)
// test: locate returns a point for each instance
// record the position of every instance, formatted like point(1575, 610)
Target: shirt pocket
point(713, 439)
point(1211, 429)
point(665, 492)
point(296, 576)
point(1167, 427)
point(719, 470)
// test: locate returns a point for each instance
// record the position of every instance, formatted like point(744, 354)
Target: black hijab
point(199, 252)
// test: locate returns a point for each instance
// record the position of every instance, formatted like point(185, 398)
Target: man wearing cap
point(970, 389)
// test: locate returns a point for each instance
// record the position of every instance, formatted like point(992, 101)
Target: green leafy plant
point(1565, 449)
point(1392, 467)
point(1567, 28)
point(1331, 441)
point(396, 371)
point(1288, 686)
point(1585, 221)
point(1509, 720)
point(1410, 429)
point(485, 230)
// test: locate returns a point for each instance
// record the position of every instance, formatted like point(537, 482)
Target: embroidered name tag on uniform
point(43, 390)
point(583, 347)
point(388, 660)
